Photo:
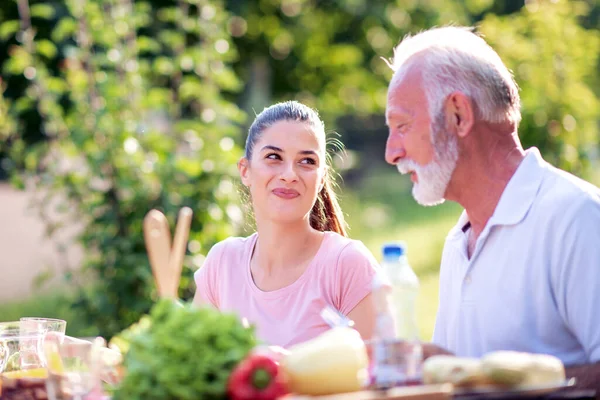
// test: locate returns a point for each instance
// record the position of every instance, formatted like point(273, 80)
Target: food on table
point(14, 380)
point(184, 352)
point(111, 370)
point(523, 369)
point(460, 371)
point(257, 377)
point(334, 362)
point(20, 388)
point(53, 358)
point(120, 342)
point(13, 363)
point(510, 369)
point(27, 373)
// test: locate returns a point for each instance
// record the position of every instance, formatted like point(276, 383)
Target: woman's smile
point(285, 193)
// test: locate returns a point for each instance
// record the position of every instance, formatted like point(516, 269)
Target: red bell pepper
point(257, 377)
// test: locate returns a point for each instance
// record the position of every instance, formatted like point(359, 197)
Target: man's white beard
point(433, 178)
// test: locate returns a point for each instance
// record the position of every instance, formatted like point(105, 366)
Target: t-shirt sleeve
point(355, 270)
point(577, 275)
point(206, 277)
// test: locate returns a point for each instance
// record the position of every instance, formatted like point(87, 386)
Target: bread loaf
point(509, 369)
point(523, 369)
point(459, 371)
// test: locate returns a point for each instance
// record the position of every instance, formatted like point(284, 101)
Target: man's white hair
point(456, 59)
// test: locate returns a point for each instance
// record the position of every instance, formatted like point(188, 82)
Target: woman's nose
point(289, 173)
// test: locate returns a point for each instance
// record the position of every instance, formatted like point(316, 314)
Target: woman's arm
point(356, 268)
point(199, 301)
point(206, 278)
point(364, 317)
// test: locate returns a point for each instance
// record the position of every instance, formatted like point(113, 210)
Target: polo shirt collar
point(518, 195)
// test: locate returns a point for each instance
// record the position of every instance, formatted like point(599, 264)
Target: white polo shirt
point(533, 281)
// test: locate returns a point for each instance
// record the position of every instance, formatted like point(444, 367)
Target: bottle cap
point(393, 250)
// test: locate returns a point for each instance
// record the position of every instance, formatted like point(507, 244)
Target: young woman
point(299, 260)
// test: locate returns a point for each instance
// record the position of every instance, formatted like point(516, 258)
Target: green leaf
point(8, 29)
point(192, 167)
point(148, 45)
point(164, 66)
point(478, 6)
point(17, 63)
point(190, 89)
point(65, 28)
point(56, 85)
point(45, 11)
point(46, 48)
point(43, 277)
point(227, 80)
point(178, 329)
point(17, 181)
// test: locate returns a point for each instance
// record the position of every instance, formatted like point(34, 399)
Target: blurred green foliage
point(555, 62)
point(329, 54)
point(133, 119)
point(49, 305)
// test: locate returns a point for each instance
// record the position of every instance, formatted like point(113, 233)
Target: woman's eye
point(273, 156)
point(308, 160)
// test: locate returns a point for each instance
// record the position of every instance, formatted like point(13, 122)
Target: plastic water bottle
point(385, 326)
point(397, 352)
point(405, 289)
point(384, 373)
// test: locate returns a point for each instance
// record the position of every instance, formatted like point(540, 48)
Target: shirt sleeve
point(577, 274)
point(439, 329)
point(206, 277)
point(356, 268)
point(441, 319)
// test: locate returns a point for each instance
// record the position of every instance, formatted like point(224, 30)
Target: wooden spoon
point(180, 240)
point(157, 237)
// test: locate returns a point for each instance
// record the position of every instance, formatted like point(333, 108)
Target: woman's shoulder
point(224, 257)
point(348, 271)
point(233, 244)
point(346, 249)
point(229, 252)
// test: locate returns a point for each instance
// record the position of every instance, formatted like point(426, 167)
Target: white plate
point(521, 391)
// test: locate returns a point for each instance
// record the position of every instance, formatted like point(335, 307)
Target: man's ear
point(459, 112)
point(243, 167)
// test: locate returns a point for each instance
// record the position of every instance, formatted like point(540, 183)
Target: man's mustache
point(406, 166)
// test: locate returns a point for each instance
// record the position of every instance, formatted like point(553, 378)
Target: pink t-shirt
point(339, 275)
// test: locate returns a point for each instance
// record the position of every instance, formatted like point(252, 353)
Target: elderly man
point(521, 268)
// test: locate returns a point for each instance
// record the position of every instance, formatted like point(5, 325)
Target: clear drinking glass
point(73, 367)
point(395, 362)
point(50, 324)
point(21, 346)
point(58, 326)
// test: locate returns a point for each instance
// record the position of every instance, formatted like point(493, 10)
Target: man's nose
point(394, 150)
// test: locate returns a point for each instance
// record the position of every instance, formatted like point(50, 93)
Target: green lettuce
point(182, 352)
